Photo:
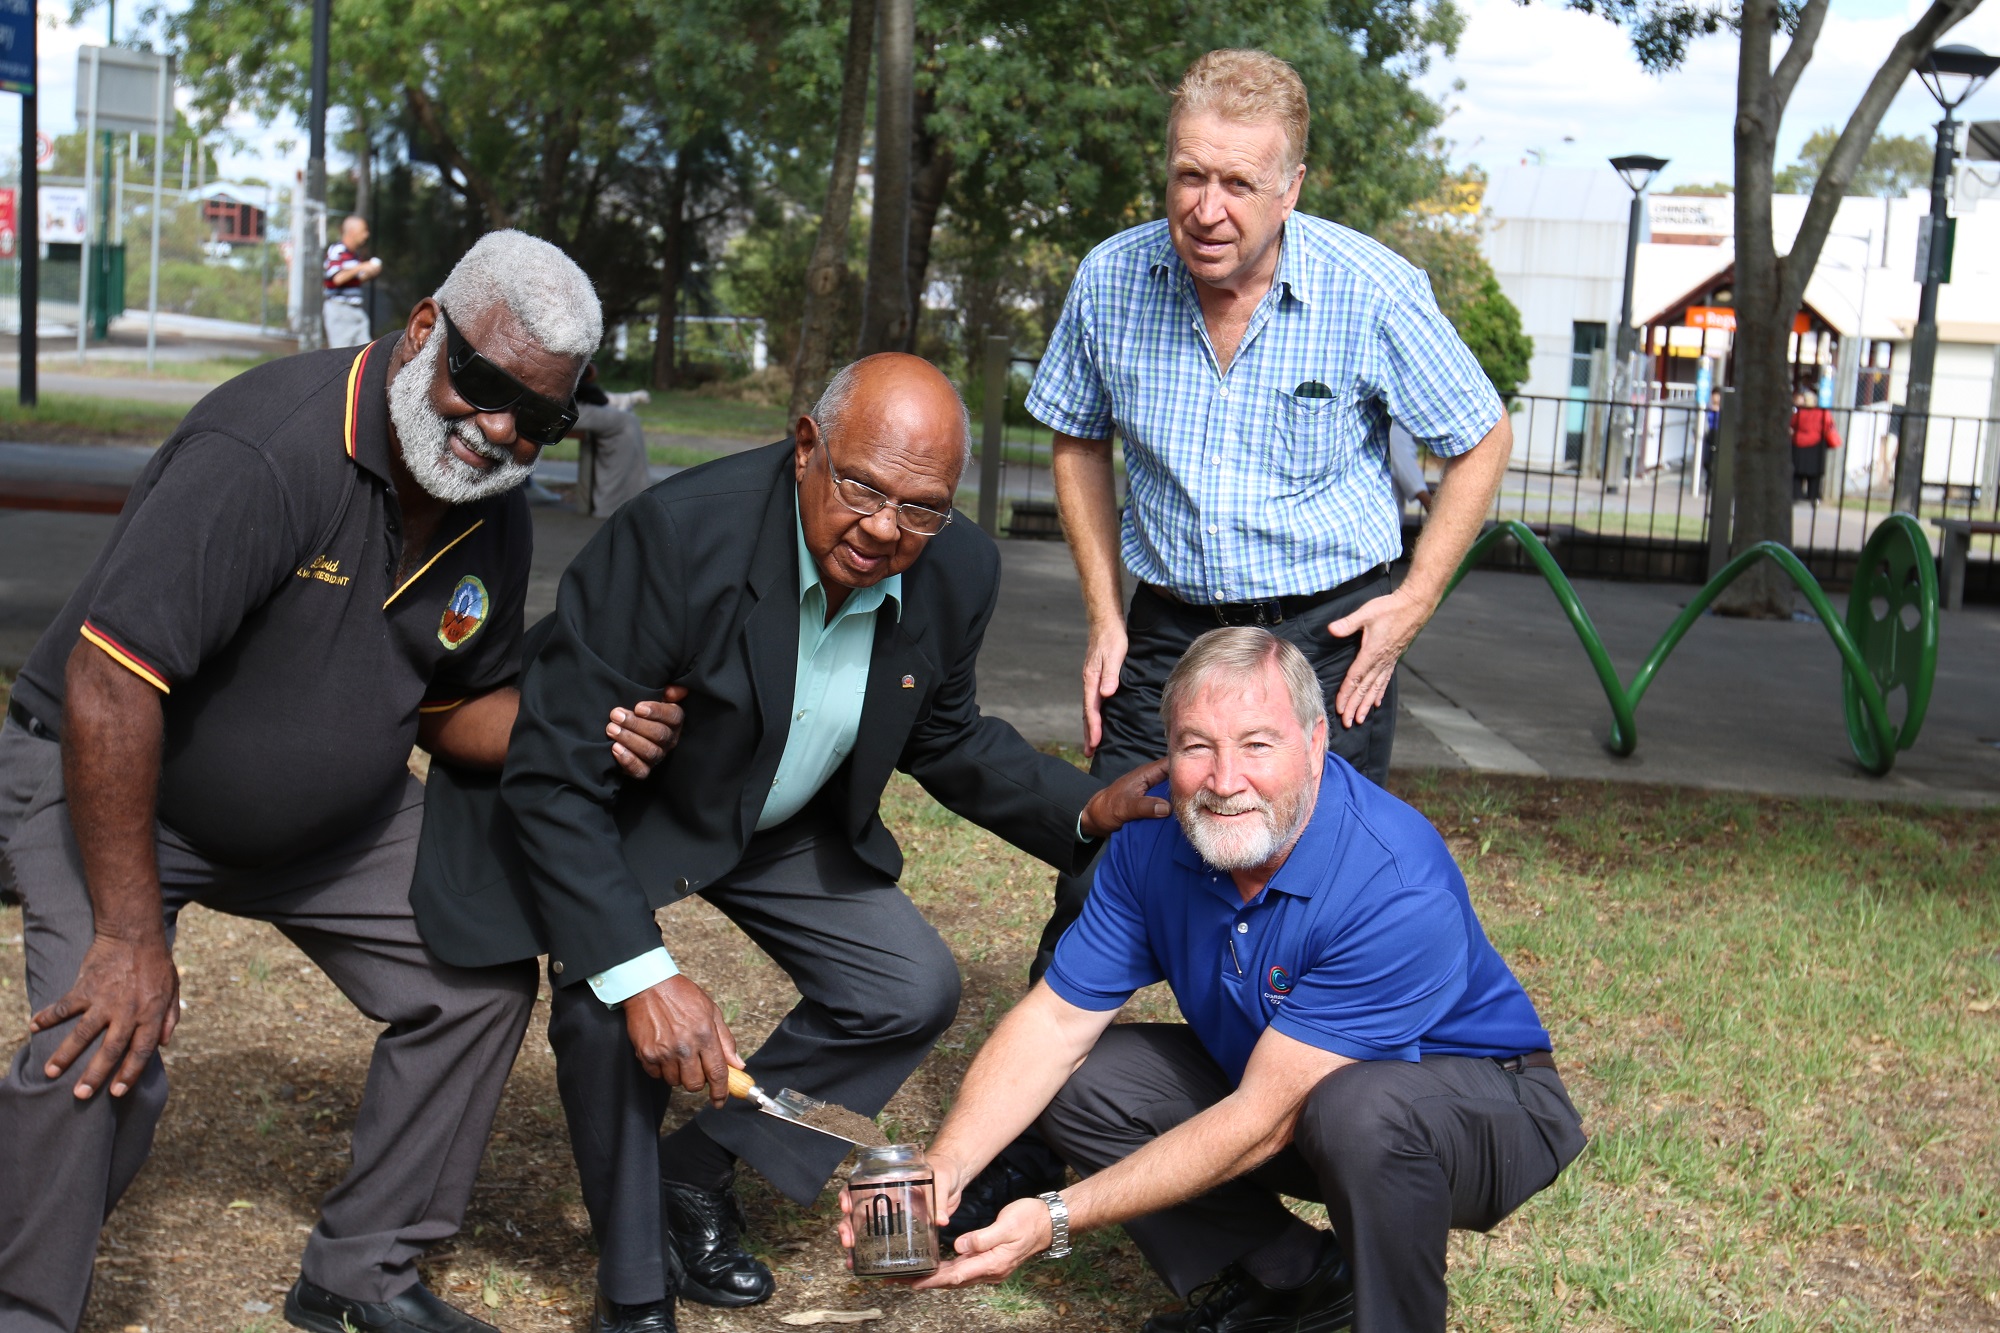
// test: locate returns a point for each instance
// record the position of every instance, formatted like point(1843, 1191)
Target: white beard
point(1237, 846)
point(425, 438)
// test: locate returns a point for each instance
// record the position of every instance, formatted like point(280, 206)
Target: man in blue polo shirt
point(1351, 1035)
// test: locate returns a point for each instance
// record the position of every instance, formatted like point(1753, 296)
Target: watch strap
point(1059, 1246)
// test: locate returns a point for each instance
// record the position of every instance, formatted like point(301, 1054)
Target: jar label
point(894, 1233)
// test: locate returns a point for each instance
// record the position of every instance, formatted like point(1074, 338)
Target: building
point(1556, 239)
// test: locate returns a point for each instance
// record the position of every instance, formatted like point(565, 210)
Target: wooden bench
point(1958, 535)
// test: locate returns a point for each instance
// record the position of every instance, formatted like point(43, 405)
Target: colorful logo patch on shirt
point(1281, 980)
point(464, 613)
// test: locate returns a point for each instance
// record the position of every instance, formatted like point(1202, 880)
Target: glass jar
point(895, 1214)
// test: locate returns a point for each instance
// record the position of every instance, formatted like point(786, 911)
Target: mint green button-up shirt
point(827, 694)
point(831, 683)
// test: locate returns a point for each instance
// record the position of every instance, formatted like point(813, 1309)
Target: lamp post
point(1637, 171)
point(1950, 74)
point(309, 223)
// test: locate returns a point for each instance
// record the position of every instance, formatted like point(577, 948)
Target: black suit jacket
point(696, 583)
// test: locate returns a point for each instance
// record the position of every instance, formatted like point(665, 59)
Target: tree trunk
point(666, 364)
point(1770, 289)
point(885, 306)
point(560, 133)
point(476, 185)
point(826, 272)
point(930, 175)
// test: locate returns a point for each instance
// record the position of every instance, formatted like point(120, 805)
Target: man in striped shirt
point(344, 310)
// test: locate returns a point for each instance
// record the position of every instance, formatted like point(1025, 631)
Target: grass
point(672, 455)
point(1781, 1021)
point(60, 418)
point(675, 412)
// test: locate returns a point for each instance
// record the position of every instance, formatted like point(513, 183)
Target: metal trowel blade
point(811, 1113)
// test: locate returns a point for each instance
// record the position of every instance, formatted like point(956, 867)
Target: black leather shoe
point(651, 1317)
point(1025, 1169)
point(418, 1310)
point(1239, 1303)
point(707, 1230)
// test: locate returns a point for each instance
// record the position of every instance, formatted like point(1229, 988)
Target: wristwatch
point(1058, 1226)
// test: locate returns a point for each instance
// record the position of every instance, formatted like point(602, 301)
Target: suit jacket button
point(556, 967)
point(681, 885)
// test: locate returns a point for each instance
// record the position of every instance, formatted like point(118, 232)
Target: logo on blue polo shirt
point(1281, 980)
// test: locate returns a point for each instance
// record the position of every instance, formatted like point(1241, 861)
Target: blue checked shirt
point(1241, 488)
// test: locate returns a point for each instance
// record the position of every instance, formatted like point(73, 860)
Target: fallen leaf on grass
point(241, 1203)
point(830, 1316)
point(1983, 1006)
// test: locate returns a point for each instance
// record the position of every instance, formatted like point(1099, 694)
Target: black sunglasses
point(491, 389)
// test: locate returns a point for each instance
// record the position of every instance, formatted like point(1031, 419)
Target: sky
point(1540, 77)
point(1530, 82)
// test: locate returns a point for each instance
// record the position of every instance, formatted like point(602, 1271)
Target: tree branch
point(1845, 159)
point(1798, 54)
point(425, 111)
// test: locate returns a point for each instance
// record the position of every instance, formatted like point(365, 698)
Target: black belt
point(1531, 1060)
point(1272, 610)
point(27, 721)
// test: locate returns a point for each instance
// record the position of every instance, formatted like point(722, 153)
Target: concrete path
point(1496, 683)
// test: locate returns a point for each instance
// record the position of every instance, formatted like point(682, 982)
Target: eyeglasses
point(491, 389)
point(867, 501)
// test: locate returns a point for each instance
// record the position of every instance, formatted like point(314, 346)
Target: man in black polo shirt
point(324, 565)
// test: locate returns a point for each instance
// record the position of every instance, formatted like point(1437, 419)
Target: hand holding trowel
point(811, 1113)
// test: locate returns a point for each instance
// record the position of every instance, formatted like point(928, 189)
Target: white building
point(1556, 239)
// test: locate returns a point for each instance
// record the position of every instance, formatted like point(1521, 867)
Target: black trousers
point(879, 988)
point(1400, 1153)
point(1158, 632)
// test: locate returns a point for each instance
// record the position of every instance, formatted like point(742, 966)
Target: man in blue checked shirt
point(1252, 360)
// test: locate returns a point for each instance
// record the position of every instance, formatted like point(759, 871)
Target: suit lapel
point(771, 636)
point(901, 679)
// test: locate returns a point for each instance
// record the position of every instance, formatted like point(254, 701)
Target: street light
point(1637, 171)
point(1950, 74)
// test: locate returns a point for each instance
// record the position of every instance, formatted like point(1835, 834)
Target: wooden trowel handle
point(740, 1083)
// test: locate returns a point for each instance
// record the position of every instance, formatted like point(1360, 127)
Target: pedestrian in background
point(1813, 433)
point(344, 309)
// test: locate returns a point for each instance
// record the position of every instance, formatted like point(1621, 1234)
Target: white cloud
point(1540, 77)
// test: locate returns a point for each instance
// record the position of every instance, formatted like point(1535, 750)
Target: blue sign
point(17, 46)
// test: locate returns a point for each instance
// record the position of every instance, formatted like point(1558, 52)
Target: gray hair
point(1239, 654)
point(540, 285)
point(833, 401)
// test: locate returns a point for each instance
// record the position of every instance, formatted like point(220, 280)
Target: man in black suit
point(824, 614)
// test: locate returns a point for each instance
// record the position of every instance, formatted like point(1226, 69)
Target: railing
point(1617, 489)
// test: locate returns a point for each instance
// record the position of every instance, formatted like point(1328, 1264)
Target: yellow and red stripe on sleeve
point(440, 705)
point(126, 658)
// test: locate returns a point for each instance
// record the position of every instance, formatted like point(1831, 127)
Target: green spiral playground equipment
point(1888, 642)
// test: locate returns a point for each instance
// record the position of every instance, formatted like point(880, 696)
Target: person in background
point(1813, 433)
point(606, 424)
point(344, 309)
point(1406, 469)
point(1711, 438)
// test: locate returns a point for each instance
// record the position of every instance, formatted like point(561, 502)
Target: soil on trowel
point(847, 1124)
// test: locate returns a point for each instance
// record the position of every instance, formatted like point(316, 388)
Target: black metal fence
point(1619, 489)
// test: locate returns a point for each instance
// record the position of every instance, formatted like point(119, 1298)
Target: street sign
point(65, 213)
point(45, 150)
point(10, 232)
point(17, 46)
point(1935, 242)
point(128, 87)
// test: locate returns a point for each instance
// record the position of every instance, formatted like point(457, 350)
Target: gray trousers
point(618, 460)
point(878, 989)
point(1158, 633)
point(346, 325)
point(1399, 1152)
point(433, 1084)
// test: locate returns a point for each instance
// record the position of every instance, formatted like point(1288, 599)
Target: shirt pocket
point(1312, 441)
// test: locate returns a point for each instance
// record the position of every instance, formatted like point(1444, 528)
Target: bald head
point(894, 392)
point(354, 231)
point(890, 433)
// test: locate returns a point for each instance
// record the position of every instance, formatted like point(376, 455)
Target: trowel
point(809, 1112)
